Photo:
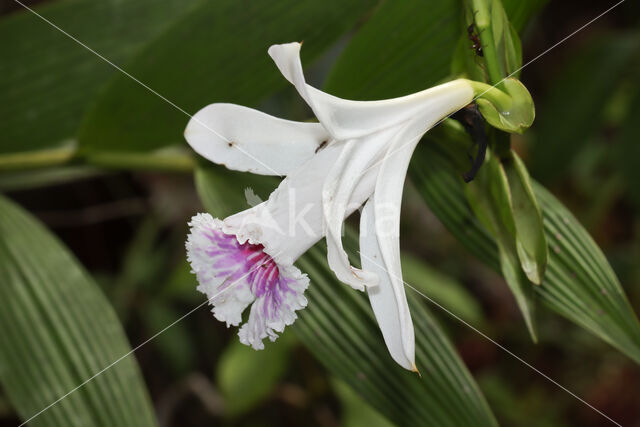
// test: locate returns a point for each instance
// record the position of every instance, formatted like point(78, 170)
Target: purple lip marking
point(249, 263)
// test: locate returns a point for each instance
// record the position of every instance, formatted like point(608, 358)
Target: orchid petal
point(248, 140)
point(346, 119)
point(355, 160)
point(388, 301)
point(386, 207)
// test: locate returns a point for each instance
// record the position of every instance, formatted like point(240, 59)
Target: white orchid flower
point(357, 154)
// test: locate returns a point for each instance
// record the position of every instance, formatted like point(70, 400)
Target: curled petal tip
point(414, 368)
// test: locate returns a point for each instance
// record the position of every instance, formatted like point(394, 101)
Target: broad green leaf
point(579, 283)
point(176, 343)
point(514, 403)
point(57, 330)
point(247, 376)
point(573, 107)
point(520, 286)
point(48, 80)
point(404, 47)
point(490, 198)
point(530, 239)
point(339, 328)
point(442, 288)
point(355, 411)
point(520, 12)
point(217, 53)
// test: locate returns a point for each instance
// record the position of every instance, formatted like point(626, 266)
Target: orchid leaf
point(199, 58)
point(577, 99)
point(521, 11)
point(355, 411)
point(240, 365)
point(530, 239)
point(49, 80)
point(442, 288)
point(57, 330)
point(175, 345)
point(490, 198)
point(407, 46)
point(353, 348)
point(579, 283)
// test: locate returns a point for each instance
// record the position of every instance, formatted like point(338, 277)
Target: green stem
point(169, 160)
point(36, 159)
point(491, 93)
point(482, 20)
point(173, 161)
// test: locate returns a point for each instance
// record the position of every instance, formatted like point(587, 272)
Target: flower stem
point(482, 20)
point(491, 93)
point(169, 160)
point(37, 159)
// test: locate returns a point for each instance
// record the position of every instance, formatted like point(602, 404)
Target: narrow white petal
point(388, 301)
point(248, 140)
point(386, 207)
point(354, 161)
point(346, 119)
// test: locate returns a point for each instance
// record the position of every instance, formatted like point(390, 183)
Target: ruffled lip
point(235, 271)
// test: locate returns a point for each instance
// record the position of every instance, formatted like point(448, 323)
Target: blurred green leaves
point(216, 53)
point(57, 330)
point(577, 99)
point(579, 283)
point(446, 291)
point(49, 81)
point(521, 12)
point(246, 376)
point(355, 411)
point(402, 48)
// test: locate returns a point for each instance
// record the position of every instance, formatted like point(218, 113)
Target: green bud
point(507, 106)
